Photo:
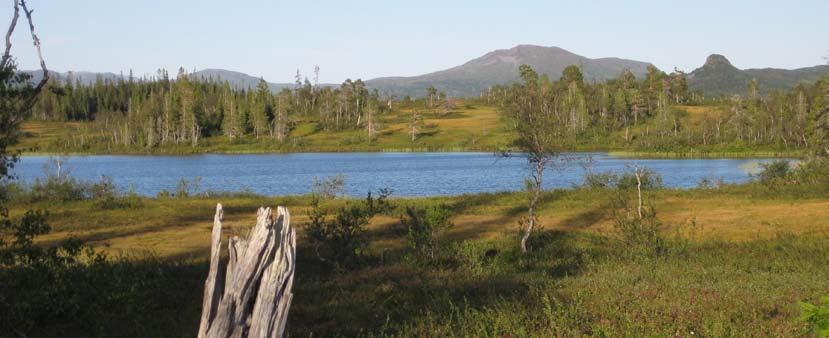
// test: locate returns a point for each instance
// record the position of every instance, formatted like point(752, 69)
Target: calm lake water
point(408, 174)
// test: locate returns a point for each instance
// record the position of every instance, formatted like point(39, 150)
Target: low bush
point(817, 315)
point(341, 239)
point(649, 178)
point(624, 181)
point(775, 173)
point(423, 226)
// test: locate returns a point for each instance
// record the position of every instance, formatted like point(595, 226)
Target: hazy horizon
point(369, 39)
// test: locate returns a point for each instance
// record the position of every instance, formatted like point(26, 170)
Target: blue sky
point(367, 39)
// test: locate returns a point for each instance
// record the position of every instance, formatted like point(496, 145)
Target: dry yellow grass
point(181, 227)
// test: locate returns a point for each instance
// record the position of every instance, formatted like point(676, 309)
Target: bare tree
point(7, 59)
point(415, 123)
point(371, 120)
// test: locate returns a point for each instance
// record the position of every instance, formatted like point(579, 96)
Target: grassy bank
point(467, 128)
point(739, 260)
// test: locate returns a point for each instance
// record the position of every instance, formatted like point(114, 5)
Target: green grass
point(753, 254)
point(466, 129)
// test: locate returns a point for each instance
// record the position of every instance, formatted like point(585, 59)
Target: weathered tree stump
point(253, 298)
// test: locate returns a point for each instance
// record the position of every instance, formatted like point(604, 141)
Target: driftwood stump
point(253, 298)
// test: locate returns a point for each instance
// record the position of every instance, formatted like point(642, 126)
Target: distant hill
point(718, 76)
point(237, 80)
point(501, 67)
point(85, 78)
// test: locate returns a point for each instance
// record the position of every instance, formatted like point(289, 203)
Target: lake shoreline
point(409, 174)
point(611, 152)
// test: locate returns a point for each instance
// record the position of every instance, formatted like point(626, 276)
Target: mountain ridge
point(717, 76)
point(501, 67)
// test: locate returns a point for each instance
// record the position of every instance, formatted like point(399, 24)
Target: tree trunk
point(253, 299)
point(537, 180)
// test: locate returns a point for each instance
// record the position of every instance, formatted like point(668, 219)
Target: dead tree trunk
point(253, 298)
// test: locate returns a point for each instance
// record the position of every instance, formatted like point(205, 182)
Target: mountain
point(501, 67)
point(86, 78)
point(237, 80)
point(719, 77)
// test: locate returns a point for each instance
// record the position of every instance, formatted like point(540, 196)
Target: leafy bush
point(341, 239)
point(774, 173)
point(624, 181)
point(817, 316)
point(813, 172)
point(650, 180)
point(602, 180)
point(60, 189)
point(472, 256)
point(423, 225)
point(637, 223)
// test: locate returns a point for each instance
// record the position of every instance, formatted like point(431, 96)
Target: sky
point(368, 39)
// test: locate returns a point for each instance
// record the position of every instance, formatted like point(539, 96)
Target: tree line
point(645, 113)
point(162, 111)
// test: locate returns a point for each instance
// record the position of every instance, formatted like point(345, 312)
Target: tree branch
point(36, 43)
point(7, 53)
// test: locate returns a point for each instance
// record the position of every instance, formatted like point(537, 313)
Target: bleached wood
point(212, 286)
point(258, 282)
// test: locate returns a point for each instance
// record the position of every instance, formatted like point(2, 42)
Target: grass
point(740, 271)
point(466, 128)
point(180, 226)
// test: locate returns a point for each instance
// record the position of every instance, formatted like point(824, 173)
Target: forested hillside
point(654, 113)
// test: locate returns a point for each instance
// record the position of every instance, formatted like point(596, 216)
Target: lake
point(407, 174)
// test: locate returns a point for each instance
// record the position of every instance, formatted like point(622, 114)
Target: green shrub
point(817, 316)
point(423, 225)
point(602, 180)
point(776, 172)
point(341, 240)
point(624, 181)
point(60, 189)
point(650, 180)
point(641, 235)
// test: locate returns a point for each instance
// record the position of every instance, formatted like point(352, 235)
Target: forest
point(653, 114)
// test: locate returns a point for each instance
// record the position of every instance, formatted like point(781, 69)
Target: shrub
point(60, 189)
point(650, 180)
point(774, 173)
point(640, 230)
point(186, 188)
point(624, 181)
point(813, 172)
point(330, 187)
point(817, 315)
point(473, 256)
point(341, 239)
point(423, 225)
point(641, 235)
point(602, 180)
